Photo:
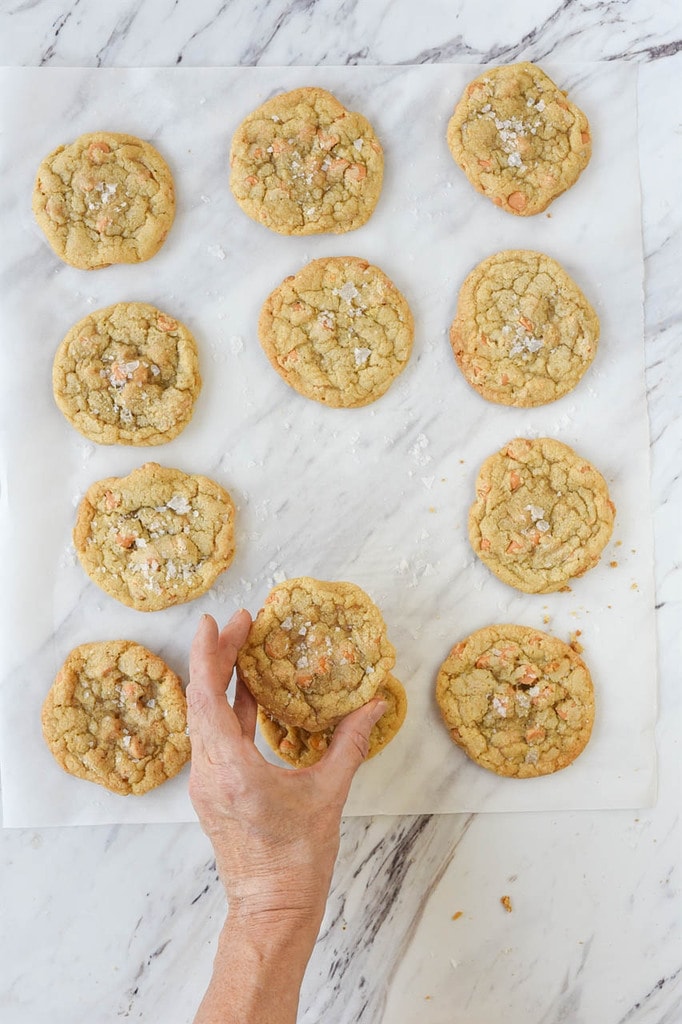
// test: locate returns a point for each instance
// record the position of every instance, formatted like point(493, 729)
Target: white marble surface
point(106, 923)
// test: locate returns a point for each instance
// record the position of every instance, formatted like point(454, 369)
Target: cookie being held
point(155, 538)
point(301, 748)
point(518, 701)
point(524, 333)
point(518, 139)
point(542, 515)
point(127, 374)
point(116, 715)
point(302, 164)
point(105, 198)
point(338, 331)
point(316, 651)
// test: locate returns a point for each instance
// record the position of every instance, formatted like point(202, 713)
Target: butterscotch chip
point(116, 715)
point(338, 331)
point(302, 164)
point(542, 515)
point(518, 139)
point(103, 199)
point(127, 374)
point(155, 538)
point(518, 701)
point(301, 748)
point(524, 333)
point(315, 652)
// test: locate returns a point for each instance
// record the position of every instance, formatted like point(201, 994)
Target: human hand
point(275, 831)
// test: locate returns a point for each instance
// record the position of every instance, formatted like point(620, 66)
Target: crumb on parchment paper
point(506, 903)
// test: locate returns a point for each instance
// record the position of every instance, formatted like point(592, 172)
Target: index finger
point(211, 719)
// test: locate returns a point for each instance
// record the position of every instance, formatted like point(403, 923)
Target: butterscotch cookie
point(524, 333)
point(302, 164)
point(338, 331)
point(542, 515)
point(116, 715)
point(315, 652)
point(104, 199)
point(518, 701)
point(518, 139)
point(156, 537)
point(127, 374)
point(301, 748)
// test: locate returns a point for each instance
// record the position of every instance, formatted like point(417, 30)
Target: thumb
point(349, 746)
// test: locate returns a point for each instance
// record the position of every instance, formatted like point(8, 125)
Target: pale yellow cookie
point(301, 748)
point(116, 715)
point(127, 374)
point(524, 333)
point(518, 139)
point(316, 651)
point(302, 164)
point(155, 538)
point(542, 515)
point(103, 199)
point(338, 331)
point(518, 701)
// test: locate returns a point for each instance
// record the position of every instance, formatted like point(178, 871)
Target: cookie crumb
point(457, 914)
point(614, 565)
point(506, 903)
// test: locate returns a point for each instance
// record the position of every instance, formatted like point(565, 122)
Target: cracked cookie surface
point(524, 334)
point(105, 198)
point(116, 715)
point(338, 331)
point(302, 164)
point(518, 701)
point(518, 139)
point(127, 374)
point(315, 652)
point(542, 515)
point(155, 538)
point(301, 748)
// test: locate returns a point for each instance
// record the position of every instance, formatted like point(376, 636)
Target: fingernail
point(236, 615)
point(380, 706)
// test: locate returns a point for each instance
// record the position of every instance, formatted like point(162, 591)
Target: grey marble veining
point(120, 923)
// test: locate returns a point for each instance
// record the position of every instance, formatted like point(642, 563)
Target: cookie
point(127, 374)
point(518, 701)
point(156, 537)
point(116, 715)
point(338, 331)
point(315, 652)
point(524, 333)
point(542, 515)
point(302, 164)
point(518, 139)
point(301, 748)
point(104, 199)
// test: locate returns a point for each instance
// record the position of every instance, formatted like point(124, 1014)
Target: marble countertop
point(119, 922)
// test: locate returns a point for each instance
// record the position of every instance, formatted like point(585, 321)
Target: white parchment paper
point(377, 495)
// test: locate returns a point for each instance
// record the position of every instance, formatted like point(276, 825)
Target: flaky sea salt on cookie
point(518, 701)
point(155, 538)
point(316, 651)
point(518, 139)
point(116, 715)
point(301, 748)
point(542, 515)
point(338, 331)
point(105, 198)
point(127, 374)
point(302, 164)
point(524, 333)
